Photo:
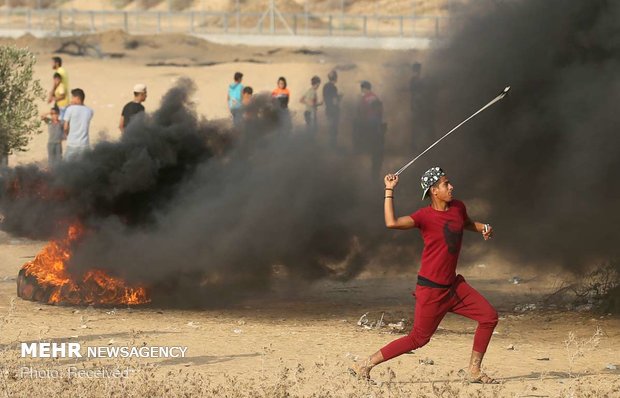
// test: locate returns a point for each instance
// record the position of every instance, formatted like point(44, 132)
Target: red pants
point(431, 306)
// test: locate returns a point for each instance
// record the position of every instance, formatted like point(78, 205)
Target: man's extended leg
point(471, 304)
point(430, 308)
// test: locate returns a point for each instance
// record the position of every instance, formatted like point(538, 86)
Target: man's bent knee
point(419, 341)
point(491, 320)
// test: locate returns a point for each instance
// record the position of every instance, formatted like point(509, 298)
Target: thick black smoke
point(202, 215)
point(542, 161)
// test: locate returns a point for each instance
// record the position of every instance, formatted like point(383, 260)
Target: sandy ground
point(287, 344)
point(302, 344)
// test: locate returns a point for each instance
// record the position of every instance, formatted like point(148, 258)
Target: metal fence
point(271, 22)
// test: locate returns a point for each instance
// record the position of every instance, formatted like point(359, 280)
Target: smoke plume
point(541, 161)
point(188, 207)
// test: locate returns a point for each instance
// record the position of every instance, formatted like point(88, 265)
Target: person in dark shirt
point(134, 107)
point(332, 106)
point(370, 129)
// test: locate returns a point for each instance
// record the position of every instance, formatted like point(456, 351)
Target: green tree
point(19, 92)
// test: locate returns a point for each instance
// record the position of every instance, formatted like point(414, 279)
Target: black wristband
point(389, 189)
point(388, 197)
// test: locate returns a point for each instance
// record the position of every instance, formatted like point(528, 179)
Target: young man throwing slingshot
point(439, 289)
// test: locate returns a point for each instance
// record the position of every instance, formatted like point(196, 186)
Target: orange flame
point(96, 287)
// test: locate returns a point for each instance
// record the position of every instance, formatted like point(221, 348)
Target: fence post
point(307, 17)
point(125, 22)
point(365, 23)
point(330, 25)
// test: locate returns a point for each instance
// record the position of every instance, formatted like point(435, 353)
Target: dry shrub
point(601, 287)
point(179, 5)
point(146, 4)
point(35, 3)
point(118, 4)
point(577, 348)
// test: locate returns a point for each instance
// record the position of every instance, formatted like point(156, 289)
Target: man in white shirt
point(77, 123)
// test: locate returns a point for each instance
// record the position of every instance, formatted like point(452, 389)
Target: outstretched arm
point(485, 229)
point(391, 221)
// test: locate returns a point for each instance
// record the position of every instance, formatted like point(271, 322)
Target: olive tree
point(19, 92)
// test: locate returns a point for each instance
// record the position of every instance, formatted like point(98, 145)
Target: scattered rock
point(511, 347)
point(426, 361)
point(542, 359)
point(515, 280)
point(363, 320)
point(584, 308)
point(250, 60)
point(398, 327)
point(525, 307)
point(306, 51)
point(611, 366)
point(192, 324)
point(237, 331)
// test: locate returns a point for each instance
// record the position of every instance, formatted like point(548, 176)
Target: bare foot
point(361, 370)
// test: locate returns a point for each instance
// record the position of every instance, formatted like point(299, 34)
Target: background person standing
point(55, 136)
point(370, 128)
point(64, 78)
point(61, 97)
point(235, 90)
point(311, 100)
point(332, 106)
point(77, 125)
point(281, 94)
point(134, 107)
